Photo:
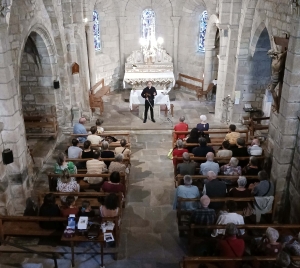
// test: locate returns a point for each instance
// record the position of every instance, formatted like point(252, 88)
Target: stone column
point(208, 66)
point(284, 134)
point(176, 21)
point(122, 21)
point(91, 52)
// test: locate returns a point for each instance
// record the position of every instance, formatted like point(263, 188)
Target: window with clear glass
point(203, 27)
point(97, 40)
point(148, 24)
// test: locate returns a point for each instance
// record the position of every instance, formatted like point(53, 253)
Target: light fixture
point(85, 20)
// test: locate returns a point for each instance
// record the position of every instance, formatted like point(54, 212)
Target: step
point(45, 263)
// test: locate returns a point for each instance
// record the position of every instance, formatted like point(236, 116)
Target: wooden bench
point(39, 123)
point(181, 83)
point(124, 135)
point(96, 94)
point(255, 124)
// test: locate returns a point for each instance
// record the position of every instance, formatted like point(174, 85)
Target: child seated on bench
point(70, 207)
point(86, 210)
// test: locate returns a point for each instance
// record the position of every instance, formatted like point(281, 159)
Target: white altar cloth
point(160, 98)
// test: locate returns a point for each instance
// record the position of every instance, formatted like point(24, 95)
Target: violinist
point(149, 94)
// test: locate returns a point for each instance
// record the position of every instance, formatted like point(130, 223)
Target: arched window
point(97, 39)
point(203, 26)
point(148, 24)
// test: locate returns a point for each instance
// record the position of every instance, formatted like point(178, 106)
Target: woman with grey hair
point(117, 165)
point(178, 152)
point(240, 191)
point(232, 168)
point(106, 153)
point(268, 245)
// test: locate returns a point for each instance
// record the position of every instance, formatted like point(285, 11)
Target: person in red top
point(70, 208)
point(231, 246)
point(114, 185)
point(181, 126)
point(178, 151)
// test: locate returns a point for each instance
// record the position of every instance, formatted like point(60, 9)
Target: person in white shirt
point(228, 217)
point(255, 148)
point(100, 129)
point(94, 138)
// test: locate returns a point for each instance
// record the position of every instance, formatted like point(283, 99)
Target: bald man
point(255, 148)
point(79, 128)
point(209, 165)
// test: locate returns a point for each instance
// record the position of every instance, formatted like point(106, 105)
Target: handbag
point(170, 154)
point(93, 232)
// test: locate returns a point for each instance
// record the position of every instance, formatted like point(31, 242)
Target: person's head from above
point(179, 144)
point(295, 249)
point(233, 162)
point(186, 157)
point(105, 145)
point(210, 156)
point(181, 119)
point(202, 142)
point(231, 229)
point(255, 142)
point(115, 177)
point(232, 128)
point(231, 206)
point(203, 119)
point(82, 120)
point(30, 204)
point(211, 175)
point(226, 145)
point(75, 142)
point(194, 133)
point(49, 199)
point(263, 176)
point(99, 122)
point(85, 206)
point(242, 182)
point(240, 142)
point(283, 259)
point(93, 129)
point(123, 142)
point(65, 176)
point(272, 235)
point(70, 201)
point(96, 154)
point(119, 158)
point(87, 145)
point(253, 161)
point(204, 201)
point(149, 84)
point(187, 179)
point(111, 201)
point(61, 158)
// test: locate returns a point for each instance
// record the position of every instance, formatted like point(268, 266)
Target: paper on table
point(108, 237)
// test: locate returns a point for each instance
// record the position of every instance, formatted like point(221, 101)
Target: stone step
point(45, 263)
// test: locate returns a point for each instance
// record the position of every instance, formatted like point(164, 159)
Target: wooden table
point(82, 238)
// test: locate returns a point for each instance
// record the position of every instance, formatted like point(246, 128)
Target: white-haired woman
point(203, 126)
point(240, 191)
point(231, 168)
point(178, 152)
point(118, 164)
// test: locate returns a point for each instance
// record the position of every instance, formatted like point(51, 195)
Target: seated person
point(50, 209)
point(118, 164)
point(255, 148)
point(106, 153)
point(86, 153)
point(192, 138)
point(123, 149)
point(232, 136)
point(113, 185)
point(225, 152)
point(98, 124)
point(94, 138)
point(228, 216)
point(231, 246)
point(178, 152)
point(95, 166)
point(203, 149)
point(62, 164)
point(86, 210)
point(79, 128)
point(268, 245)
point(283, 260)
point(240, 151)
point(188, 167)
point(181, 126)
point(186, 191)
point(203, 126)
point(110, 208)
point(214, 188)
point(70, 207)
point(240, 191)
point(65, 184)
point(31, 208)
point(252, 168)
point(74, 152)
point(209, 165)
point(264, 187)
point(231, 168)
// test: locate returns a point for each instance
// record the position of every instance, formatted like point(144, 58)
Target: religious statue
point(278, 66)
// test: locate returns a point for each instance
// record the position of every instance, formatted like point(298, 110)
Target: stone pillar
point(208, 66)
point(91, 52)
point(284, 134)
point(122, 21)
point(176, 21)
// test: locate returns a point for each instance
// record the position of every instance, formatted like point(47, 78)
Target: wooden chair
point(96, 94)
point(255, 124)
point(201, 93)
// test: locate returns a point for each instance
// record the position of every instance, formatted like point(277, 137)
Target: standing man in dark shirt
point(149, 94)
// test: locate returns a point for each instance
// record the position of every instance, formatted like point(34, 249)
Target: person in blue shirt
point(79, 128)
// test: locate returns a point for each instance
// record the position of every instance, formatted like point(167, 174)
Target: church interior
point(120, 116)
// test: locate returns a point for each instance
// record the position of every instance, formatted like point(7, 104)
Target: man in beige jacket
point(232, 136)
point(95, 166)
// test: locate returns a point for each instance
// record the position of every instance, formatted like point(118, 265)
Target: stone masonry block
point(288, 126)
point(248, 97)
point(283, 156)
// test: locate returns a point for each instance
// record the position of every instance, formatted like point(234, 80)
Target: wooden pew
point(96, 94)
point(41, 122)
point(125, 135)
point(255, 124)
point(181, 83)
